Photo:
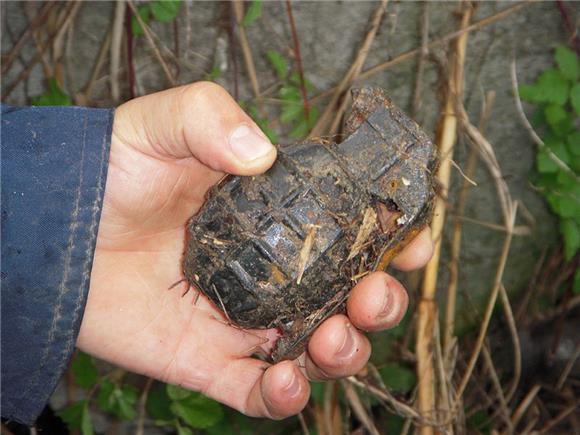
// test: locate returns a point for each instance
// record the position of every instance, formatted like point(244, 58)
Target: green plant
point(54, 96)
point(163, 11)
point(556, 94)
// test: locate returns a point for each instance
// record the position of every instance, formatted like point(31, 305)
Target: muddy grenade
point(283, 249)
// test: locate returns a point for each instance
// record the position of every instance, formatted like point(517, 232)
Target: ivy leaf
point(183, 430)
point(575, 98)
point(551, 87)
point(278, 63)
point(77, 416)
point(157, 404)
point(576, 288)
point(558, 119)
point(291, 111)
point(55, 96)
point(398, 377)
point(574, 143)
point(198, 411)
point(253, 13)
point(105, 398)
point(165, 11)
point(145, 14)
point(177, 393)
point(545, 163)
point(84, 370)
point(568, 63)
point(126, 397)
point(571, 235)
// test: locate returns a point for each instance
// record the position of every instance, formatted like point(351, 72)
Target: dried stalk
point(116, 40)
point(358, 408)
point(440, 41)
point(558, 419)
point(62, 28)
point(142, 406)
point(449, 326)
point(298, 60)
point(333, 111)
point(421, 61)
point(39, 19)
point(503, 408)
point(511, 322)
point(246, 50)
point(524, 405)
point(446, 138)
point(152, 45)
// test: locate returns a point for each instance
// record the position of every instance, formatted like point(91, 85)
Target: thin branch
point(298, 60)
point(503, 408)
point(440, 41)
point(142, 407)
point(246, 50)
point(358, 408)
point(38, 20)
point(116, 41)
point(517, 356)
point(332, 110)
point(421, 61)
point(524, 405)
point(152, 45)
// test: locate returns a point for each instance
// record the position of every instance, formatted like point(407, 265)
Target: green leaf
point(213, 75)
point(177, 393)
point(105, 398)
point(126, 397)
point(557, 118)
point(55, 96)
point(545, 163)
point(571, 234)
point(398, 377)
point(198, 411)
point(575, 98)
point(574, 143)
point(86, 423)
point(568, 63)
point(253, 13)
point(278, 63)
point(72, 415)
point(576, 288)
point(292, 111)
point(300, 131)
point(157, 404)
point(84, 370)
point(165, 11)
point(145, 14)
point(317, 392)
point(551, 87)
point(183, 430)
point(290, 94)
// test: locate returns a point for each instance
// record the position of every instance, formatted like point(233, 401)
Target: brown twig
point(333, 111)
point(503, 408)
point(517, 351)
point(115, 53)
point(572, 30)
point(152, 45)
point(358, 408)
point(421, 60)
point(440, 41)
point(303, 424)
point(61, 28)
point(85, 97)
point(298, 57)
point(142, 410)
point(130, 56)
point(246, 50)
point(558, 419)
point(38, 20)
point(446, 139)
point(524, 405)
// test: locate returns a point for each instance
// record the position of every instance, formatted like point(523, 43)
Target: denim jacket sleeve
point(54, 168)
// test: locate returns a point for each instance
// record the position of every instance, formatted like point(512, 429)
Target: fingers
point(417, 253)
point(257, 390)
point(378, 302)
point(336, 349)
point(200, 120)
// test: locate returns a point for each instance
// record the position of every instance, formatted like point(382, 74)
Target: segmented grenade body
point(281, 250)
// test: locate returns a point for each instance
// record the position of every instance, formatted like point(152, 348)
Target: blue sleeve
point(54, 168)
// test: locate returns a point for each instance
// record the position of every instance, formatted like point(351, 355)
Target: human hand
point(167, 150)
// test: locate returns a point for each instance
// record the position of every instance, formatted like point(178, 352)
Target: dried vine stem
point(421, 61)
point(484, 22)
point(115, 53)
point(446, 138)
point(358, 408)
point(151, 41)
point(333, 111)
point(246, 50)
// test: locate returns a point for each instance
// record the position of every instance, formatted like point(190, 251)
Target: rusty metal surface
point(283, 249)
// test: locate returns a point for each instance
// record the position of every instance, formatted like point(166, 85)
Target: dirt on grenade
point(283, 249)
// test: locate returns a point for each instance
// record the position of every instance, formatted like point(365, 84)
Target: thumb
point(200, 120)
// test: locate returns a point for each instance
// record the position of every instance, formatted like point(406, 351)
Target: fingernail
point(390, 308)
point(247, 144)
point(348, 346)
point(293, 387)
